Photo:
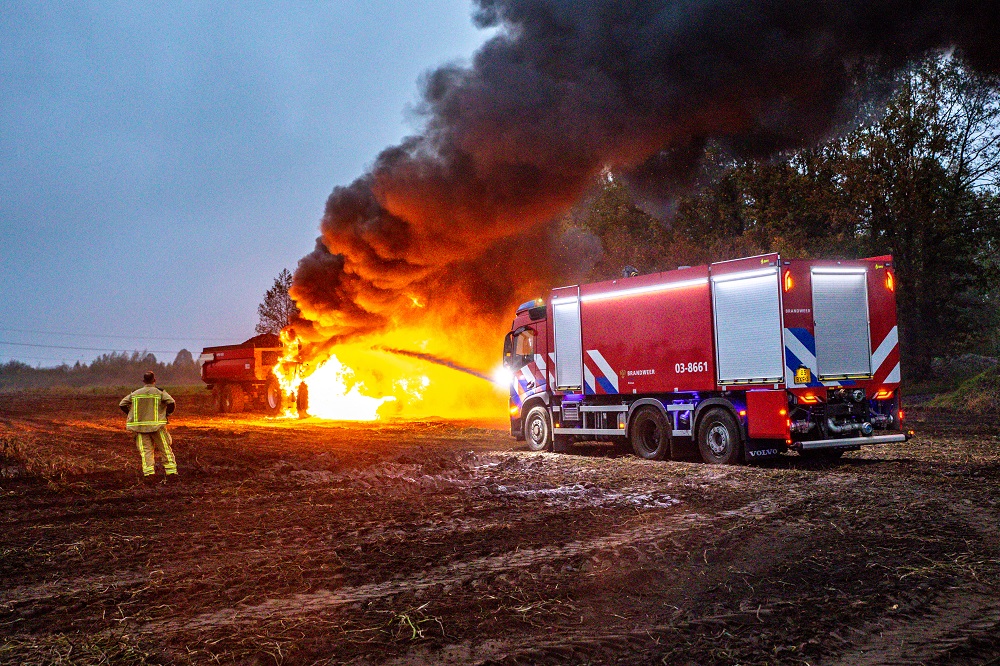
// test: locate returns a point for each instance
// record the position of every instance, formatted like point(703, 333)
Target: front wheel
point(537, 430)
point(273, 397)
point(650, 434)
point(302, 400)
point(719, 438)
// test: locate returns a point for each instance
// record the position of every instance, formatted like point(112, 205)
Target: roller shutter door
point(840, 314)
point(568, 342)
point(748, 327)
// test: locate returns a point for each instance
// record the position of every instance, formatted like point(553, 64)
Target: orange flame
point(363, 380)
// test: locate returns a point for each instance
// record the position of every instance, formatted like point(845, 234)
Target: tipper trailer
point(241, 376)
point(745, 359)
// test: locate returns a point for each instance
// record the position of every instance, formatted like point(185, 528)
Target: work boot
point(149, 480)
point(171, 479)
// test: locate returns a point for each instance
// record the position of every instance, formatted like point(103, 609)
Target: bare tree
point(278, 308)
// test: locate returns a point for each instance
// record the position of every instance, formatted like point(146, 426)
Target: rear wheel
point(538, 430)
point(302, 401)
point(273, 396)
point(233, 398)
point(650, 434)
point(719, 438)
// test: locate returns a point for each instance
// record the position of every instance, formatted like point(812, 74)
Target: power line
point(21, 359)
point(98, 349)
point(116, 337)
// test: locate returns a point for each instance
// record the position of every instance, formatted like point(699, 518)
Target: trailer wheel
point(719, 438)
point(537, 430)
point(302, 401)
point(233, 398)
point(273, 397)
point(650, 434)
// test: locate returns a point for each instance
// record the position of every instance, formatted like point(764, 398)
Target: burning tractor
point(242, 378)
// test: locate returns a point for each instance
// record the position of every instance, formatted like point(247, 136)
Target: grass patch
point(30, 456)
point(13, 460)
point(931, 387)
point(977, 395)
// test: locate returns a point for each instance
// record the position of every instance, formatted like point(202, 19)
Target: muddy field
point(306, 542)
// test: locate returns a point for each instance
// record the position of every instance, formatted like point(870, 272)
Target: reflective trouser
point(144, 441)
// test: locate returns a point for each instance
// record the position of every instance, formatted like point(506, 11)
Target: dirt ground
point(445, 542)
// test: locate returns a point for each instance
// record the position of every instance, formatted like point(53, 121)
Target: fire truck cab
point(744, 359)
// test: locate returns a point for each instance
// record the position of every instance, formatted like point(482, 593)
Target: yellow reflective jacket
point(147, 409)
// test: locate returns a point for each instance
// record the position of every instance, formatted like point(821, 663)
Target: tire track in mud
point(939, 632)
point(391, 478)
point(567, 648)
point(473, 474)
point(575, 647)
point(68, 587)
point(456, 572)
point(946, 626)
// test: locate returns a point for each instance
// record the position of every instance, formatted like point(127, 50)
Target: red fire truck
point(745, 359)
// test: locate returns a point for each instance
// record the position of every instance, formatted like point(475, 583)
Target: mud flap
point(757, 449)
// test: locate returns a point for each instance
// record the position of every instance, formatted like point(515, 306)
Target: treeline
point(919, 182)
point(114, 369)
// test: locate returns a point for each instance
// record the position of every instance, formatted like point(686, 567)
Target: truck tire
point(650, 434)
point(302, 401)
point(719, 438)
point(537, 429)
point(273, 397)
point(234, 398)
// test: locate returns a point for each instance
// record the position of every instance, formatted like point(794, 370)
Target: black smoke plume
point(453, 224)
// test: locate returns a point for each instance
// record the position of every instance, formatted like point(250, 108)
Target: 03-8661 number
point(696, 366)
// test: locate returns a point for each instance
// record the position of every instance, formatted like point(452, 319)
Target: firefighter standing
point(147, 410)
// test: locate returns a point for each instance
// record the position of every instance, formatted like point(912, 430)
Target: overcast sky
point(160, 163)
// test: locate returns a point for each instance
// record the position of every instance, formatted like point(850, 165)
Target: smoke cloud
point(454, 224)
